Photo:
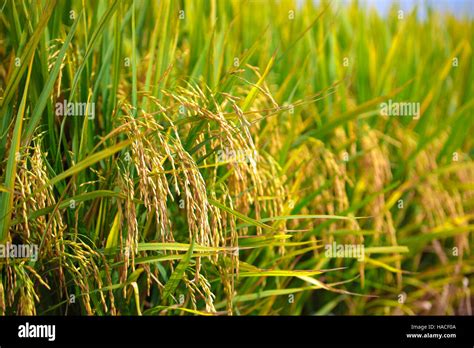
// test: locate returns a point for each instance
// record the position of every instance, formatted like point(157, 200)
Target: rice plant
point(235, 158)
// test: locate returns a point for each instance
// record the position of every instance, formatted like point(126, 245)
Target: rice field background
point(235, 158)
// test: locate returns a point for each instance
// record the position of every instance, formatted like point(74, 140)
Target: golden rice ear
point(3, 305)
point(152, 147)
point(378, 175)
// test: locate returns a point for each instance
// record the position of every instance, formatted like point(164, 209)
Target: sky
point(459, 8)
